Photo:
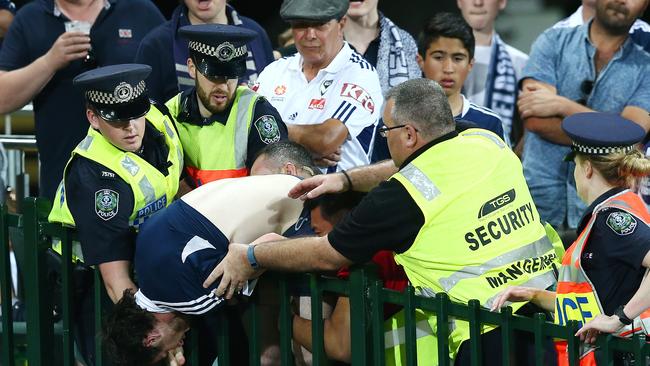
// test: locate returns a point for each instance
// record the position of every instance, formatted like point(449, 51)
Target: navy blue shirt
point(166, 52)
point(613, 255)
point(59, 109)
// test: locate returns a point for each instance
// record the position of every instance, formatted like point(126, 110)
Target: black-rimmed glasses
point(383, 129)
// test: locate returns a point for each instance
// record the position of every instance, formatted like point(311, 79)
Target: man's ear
point(152, 338)
point(290, 169)
point(191, 68)
point(411, 136)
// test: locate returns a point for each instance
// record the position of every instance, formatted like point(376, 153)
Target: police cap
point(596, 133)
point(218, 50)
point(313, 10)
point(116, 92)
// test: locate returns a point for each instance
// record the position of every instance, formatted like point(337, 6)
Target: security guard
point(221, 125)
point(602, 271)
point(464, 225)
point(125, 169)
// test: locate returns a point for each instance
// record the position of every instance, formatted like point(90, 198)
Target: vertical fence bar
point(40, 332)
point(223, 341)
point(254, 341)
point(507, 343)
point(409, 327)
point(637, 342)
point(377, 303)
point(98, 286)
point(286, 322)
point(66, 297)
point(7, 346)
point(606, 349)
point(475, 332)
point(317, 339)
point(358, 312)
point(194, 347)
point(573, 343)
point(539, 320)
point(442, 321)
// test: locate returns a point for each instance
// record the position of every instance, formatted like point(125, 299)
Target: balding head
point(422, 103)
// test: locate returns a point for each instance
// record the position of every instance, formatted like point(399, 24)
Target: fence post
point(286, 322)
point(66, 295)
point(40, 334)
point(359, 279)
point(573, 342)
point(6, 284)
point(475, 332)
point(442, 325)
point(317, 337)
point(506, 334)
point(409, 327)
point(377, 311)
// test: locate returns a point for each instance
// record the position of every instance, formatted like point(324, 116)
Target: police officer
point(455, 225)
point(222, 125)
point(125, 169)
point(600, 280)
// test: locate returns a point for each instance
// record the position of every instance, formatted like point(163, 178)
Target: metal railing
point(46, 342)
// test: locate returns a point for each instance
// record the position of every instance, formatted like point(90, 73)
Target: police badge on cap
point(116, 92)
point(218, 50)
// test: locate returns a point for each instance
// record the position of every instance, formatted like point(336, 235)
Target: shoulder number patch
point(268, 129)
point(106, 203)
point(622, 223)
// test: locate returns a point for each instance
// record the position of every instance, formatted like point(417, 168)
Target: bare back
point(243, 209)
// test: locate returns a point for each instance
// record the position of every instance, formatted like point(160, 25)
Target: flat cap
point(596, 133)
point(313, 10)
point(117, 92)
point(218, 49)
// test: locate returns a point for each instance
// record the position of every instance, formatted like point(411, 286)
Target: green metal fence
point(52, 344)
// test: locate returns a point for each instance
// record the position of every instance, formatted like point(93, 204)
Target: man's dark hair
point(448, 25)
point(288, 152)
point(333, 203)
point(124, 331)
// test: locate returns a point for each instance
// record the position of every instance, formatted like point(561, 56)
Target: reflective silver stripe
point(420, 181)
point(147, 189)
point(494, 139)
point(182, 67)
point(85, 143)
point(185, 81)
point(169, 130)
point(241, 128)
point(542, 281)
point(130, 165)
point(395, 337)
point(535, 249)
point(180, 155)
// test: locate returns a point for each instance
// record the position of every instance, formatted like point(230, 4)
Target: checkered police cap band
point(600, 150)
point(224, 52)
point(123, 93)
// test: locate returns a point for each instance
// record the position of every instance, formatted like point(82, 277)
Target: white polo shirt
point(347, 89)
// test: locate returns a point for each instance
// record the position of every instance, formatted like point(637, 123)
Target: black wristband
point(621, 316)
point(348, 178)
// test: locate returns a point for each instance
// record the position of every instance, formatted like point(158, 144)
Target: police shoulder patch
point(622, 223)
point(268, 129)
point(106, 203)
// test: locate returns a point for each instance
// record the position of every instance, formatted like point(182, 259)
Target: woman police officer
point(601, 282)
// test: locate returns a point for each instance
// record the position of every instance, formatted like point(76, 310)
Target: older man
point(457, 214)
point(328, 95)
point(595, 66)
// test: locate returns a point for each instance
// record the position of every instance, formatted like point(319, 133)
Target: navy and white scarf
point(392, 64)
point(501, 85)
point(180, 19)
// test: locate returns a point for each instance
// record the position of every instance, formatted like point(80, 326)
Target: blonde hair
point(620, 169)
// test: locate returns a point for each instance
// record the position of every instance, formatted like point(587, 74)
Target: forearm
point(302, 332)
point(544, 299)
point(321, 139)
point(299, 255)
point(640, 301)
point(368, 177)
point(550, 128)
point(18, 87)
point(116, 278)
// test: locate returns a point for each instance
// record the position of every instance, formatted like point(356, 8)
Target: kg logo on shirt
point(268, 129)
point(106, 203)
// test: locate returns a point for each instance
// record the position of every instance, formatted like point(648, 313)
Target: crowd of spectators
point(352, 93)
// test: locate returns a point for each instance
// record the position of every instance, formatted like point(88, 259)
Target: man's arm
point(363, 179)
point(18, 87)
point(336, 331)
point(295, 255)
point(116, 277)
point(321, 139)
